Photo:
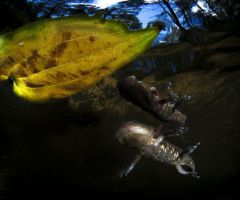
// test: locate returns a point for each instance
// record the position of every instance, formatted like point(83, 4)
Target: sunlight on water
point(106, 3)
point(97, 3)
point(204, 6)
point(149, 12)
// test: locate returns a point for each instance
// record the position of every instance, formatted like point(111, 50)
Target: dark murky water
point(69, 147)
point(50, 147)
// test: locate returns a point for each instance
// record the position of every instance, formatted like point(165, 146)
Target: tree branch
point(175, 18)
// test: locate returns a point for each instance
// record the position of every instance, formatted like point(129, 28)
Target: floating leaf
point(57, 58)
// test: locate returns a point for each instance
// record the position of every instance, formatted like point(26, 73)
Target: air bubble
point(21, 44)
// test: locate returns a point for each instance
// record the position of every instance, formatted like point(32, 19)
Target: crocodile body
point(151, 143)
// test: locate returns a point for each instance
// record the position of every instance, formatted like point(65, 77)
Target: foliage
point(57, 58)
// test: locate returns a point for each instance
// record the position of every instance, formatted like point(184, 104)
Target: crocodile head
point(150, 100)
point(134, 135)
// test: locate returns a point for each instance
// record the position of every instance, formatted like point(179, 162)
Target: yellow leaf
point(57, 58)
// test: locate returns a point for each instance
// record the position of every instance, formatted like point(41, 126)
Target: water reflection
point(142, 13)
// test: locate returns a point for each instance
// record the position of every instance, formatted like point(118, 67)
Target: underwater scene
point(130, 98)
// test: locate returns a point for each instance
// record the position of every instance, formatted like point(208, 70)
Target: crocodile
point(148, 98)
point(151, 143)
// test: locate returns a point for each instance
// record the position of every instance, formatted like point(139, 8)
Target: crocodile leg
point(128, 169)
point(176, 99)
point(190, 149)
point(175, 132)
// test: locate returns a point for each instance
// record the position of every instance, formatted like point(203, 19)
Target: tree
point(174, 16)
